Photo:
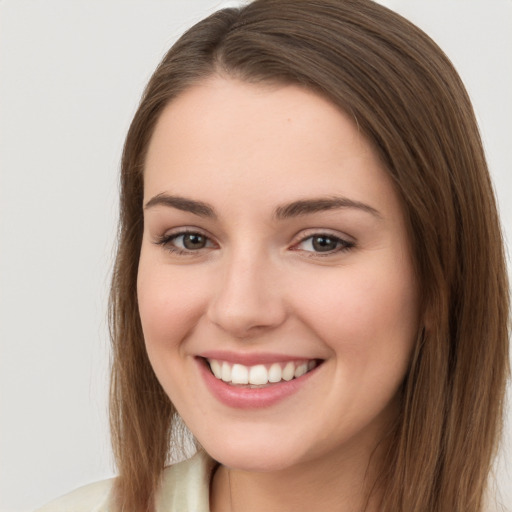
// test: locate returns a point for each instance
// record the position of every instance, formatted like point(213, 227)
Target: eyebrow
point(286, 211)
point(308, 206)
point(181, 203)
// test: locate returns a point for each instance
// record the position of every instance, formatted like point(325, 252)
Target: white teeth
point(289, 371)
point(301, 370)
point(239, 374)
point(226, 372)
point(216, 368)
point(259, 375)
point(275, 373)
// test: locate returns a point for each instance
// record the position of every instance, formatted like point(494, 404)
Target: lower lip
point(251, 398)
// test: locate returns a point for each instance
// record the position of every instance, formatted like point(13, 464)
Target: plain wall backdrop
point(71, 74)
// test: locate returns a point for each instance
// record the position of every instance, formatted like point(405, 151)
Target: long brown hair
point(409, 102)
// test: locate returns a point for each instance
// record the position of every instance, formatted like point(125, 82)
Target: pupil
point(324, 243)
point(194, 241)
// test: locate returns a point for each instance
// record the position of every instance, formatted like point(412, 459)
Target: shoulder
point(89, 498)
point(184, 487)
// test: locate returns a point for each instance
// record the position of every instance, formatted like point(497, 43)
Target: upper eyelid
point(176, 232)
point(308, 233)
point(345, 244)
point(172, 236)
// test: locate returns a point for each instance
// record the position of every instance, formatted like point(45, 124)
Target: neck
point(337, 483)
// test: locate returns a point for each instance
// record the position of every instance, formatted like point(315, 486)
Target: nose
point(248, 299)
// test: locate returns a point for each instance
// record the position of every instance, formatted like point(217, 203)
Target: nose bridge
point(247, 298)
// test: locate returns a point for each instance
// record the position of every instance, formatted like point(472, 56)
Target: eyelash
point(341, 245)
point(166, 242)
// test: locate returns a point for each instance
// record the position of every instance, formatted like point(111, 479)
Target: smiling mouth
point(260, 375)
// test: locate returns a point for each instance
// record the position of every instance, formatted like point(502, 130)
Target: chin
point(251, 456)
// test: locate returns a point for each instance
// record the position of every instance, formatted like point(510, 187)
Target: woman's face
point(274, 244)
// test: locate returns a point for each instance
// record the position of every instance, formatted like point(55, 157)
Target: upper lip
point(251, 359)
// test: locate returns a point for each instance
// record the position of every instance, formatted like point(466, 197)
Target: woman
point(310, 273)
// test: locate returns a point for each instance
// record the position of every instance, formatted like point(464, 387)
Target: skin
point(260, 285)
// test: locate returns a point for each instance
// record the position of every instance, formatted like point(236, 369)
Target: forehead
point(228, 104)
point(279, 143)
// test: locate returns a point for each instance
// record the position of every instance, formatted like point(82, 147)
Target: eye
point(191, 241)
point(324, 243)
point(185, 242)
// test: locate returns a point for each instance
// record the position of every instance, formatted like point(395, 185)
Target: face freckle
point(273, 236)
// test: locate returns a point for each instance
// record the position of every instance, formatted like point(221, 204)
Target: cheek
point(365, 314)
point(169, 304)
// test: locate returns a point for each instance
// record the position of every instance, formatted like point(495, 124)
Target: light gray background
point(71, 73)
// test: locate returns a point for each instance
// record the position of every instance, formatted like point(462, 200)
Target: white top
point(185, 487)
